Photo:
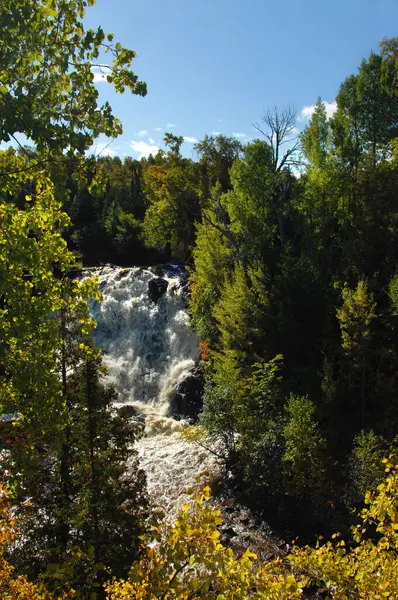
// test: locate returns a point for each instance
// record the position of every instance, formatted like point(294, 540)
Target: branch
point(181, 568)
point(279, 126)
point(22, 147)
point(29, 167)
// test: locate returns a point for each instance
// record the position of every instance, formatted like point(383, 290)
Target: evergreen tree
point(355, 318)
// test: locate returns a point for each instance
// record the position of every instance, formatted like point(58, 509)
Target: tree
point(239, 313)
point(174, 142)
point(110, 497)
point(32, 256)
point(47, 89)
point(367, 569)
point(304, 447)
point(315, 137)
point(366, 470)
point(217, 155)
point(13, 586)
point(279, 129)
point(213, 260)
point(367, 113)
point(47, 93)
point(249, 204)
point(171, 195)
point(393, 292)
point(355, 318)
point(107, 495)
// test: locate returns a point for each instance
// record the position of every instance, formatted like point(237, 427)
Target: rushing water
point(149, 348)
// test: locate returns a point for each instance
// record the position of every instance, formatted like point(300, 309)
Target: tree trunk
point(94, 492)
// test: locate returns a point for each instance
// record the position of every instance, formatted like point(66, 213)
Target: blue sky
point(215, 65)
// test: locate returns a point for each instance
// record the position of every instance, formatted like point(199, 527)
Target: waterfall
point(149, 349)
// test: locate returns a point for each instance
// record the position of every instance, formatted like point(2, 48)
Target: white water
point(149, 348)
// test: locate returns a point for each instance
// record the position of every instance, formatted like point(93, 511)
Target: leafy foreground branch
point(186, 560)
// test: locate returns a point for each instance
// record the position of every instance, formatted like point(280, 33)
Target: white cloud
point(190, 140)
point(171, 125)
point(100, 74)
point(143, 149)
point(101, 149)
point(143, 133)
point(307, 111)
point(215, 132)
point(158, 129)
point(152, 141)
point(240, 136)
point(219, 120)
point(331, 108)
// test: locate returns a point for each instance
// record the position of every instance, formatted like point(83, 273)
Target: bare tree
point(279, 129)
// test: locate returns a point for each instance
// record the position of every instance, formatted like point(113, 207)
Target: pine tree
point(355, 319)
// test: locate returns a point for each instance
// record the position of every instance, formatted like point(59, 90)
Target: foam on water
point(149, 348)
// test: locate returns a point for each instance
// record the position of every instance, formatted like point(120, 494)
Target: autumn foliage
point(204, 350)
point(12, 586)
point(185, 560)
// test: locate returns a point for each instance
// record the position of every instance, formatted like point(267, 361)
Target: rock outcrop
point(156, 288)
point(188, 400)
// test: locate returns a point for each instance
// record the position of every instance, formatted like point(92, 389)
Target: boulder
point(188, 399)
point(127, 411)
point(156, 288)
point(229, 531)
point(123, 273)
point(157, 270)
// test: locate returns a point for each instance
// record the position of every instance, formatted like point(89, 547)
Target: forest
point(290, 243)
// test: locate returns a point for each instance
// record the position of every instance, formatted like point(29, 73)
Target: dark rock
point(158, 271)
point(245, 520)
point(127, 411)
point(225, 540)
point(244, 517)
point(188, 400)
point(123, 273)
point(156, 288)
point(229, 531)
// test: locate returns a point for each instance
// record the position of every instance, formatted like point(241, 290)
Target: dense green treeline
point(293, 283)
point(141, 211)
